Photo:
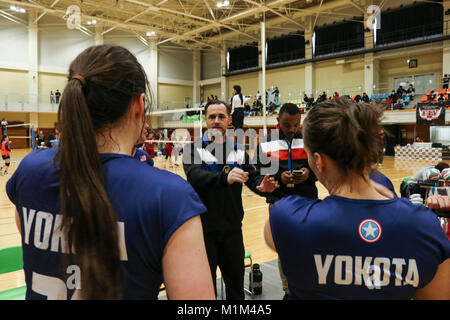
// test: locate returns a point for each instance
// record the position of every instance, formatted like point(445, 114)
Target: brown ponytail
point(345, 131)
point(112, 78)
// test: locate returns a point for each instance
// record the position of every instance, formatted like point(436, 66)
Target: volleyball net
point(180, 127)
point(22, 136)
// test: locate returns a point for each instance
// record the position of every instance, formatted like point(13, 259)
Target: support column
point(371, 73)
point(263, 73)
point(196, 64)
point(446, 43)
point(99, 34)
point(152, 73)
point(309, 67)
point(223, 68)
point(33, 60)
point(371, 26)
point(260, 77)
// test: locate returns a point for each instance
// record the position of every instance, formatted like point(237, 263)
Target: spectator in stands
point(432, 96)
point(441, 98)
point(399, 104)
point(57, 95)
point(400, 91)
point(393, 96)
point(277, 94)
point(237, 108)
point(52, 97)
point(311, 101)
point(446, 80)
point(305, 99)
point(258, 96)
point(418, 139)
point(411, 91)
point(365, 98)
point(258, 101)
point(357, 98)
point(336, 95)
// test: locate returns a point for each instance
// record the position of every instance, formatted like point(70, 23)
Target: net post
point(32, 139)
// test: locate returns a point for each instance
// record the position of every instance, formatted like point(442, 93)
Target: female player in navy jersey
point(101, 225)
point(361, 242)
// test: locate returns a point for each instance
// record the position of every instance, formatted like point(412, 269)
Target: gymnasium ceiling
point(202, 24)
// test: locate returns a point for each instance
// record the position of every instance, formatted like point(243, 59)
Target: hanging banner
point(430, 114)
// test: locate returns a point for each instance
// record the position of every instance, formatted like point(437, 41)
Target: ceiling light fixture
point(17, 9)
point(151, 33)
point(222, 4)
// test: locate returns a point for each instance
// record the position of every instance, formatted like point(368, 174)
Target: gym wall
point(211, 89)
point(247, 81)
point(13, 82)
point(335, 77)
point(391, 68)
point(173, 96)
point(288, 80)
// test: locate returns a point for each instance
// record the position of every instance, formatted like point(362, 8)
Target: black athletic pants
point(238, 118)
point(226, 251)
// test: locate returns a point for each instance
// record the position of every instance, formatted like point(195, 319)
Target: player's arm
point(439, 287)
point(187, 275)
point(268, 236)
point(18, 223)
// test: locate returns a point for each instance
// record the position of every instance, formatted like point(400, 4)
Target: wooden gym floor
point(256, 211)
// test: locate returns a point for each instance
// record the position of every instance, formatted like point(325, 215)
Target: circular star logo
point(369, 230)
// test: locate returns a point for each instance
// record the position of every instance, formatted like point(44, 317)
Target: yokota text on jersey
point(372, 272)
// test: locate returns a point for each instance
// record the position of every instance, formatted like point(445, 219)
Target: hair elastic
point(81, 79)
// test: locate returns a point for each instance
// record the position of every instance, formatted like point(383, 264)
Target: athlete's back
point(357, 249)
point(147, 216)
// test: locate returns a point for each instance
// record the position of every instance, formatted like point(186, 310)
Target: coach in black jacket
point(216, 169)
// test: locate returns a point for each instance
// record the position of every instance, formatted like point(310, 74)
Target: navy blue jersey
point(143, 156)
point(340, 248)
point(142, 197)
point(377, 176)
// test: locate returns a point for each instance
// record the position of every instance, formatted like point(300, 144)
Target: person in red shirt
point(168, 148)
point(150, 146)
point(6, 153)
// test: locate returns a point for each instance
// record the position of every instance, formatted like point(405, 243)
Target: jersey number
point(56, 289)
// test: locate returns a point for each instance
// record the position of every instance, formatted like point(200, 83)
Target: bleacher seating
point(432, 95)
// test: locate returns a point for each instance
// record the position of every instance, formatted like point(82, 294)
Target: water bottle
point(256, 282)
